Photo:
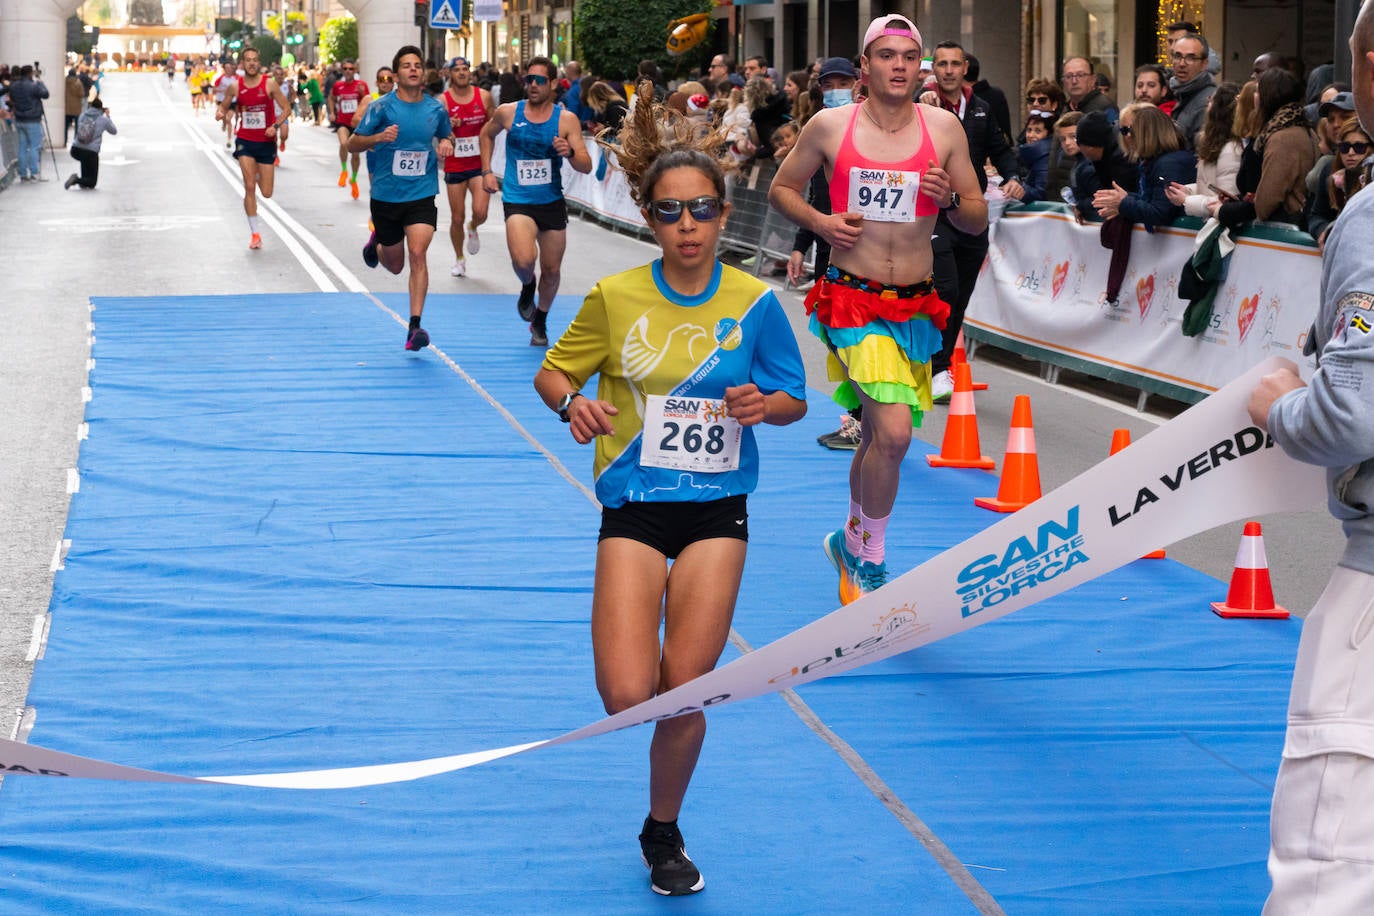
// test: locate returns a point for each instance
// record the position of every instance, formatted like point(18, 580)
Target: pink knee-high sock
point(874, 538)
point(853, 530)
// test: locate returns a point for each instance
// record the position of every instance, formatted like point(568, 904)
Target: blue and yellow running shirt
point(407, 168)
point(644, 339)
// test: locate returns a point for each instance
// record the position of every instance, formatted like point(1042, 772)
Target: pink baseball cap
point(891, 24)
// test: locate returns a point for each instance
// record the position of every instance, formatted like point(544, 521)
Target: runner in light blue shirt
point(398, 132)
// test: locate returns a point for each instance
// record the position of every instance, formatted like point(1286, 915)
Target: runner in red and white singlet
point(261, 109)
point(469, 107)
point(345, 97)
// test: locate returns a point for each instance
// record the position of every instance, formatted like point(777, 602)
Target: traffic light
point(236, 41)
point(422, 12)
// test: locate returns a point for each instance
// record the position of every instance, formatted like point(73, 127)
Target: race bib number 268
point(689, 434)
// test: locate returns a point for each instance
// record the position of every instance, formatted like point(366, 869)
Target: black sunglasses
point(1038, 99)
point(1348, 147)
point(536, 79)
point(668, 210)
point(1125, 130)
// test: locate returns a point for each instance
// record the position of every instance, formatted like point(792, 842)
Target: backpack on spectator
point(85, 126)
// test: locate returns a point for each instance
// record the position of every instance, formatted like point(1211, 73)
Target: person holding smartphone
point(1154, 144)
point(1218, 152)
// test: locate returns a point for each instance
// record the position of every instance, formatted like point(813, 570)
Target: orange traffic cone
point(1020, 483)
point(960, 448)
point(960, 355)
point(1120, 439)
point(1250, 594)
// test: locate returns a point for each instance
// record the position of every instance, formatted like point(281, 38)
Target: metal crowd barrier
point(9, 153)
point(755, 232)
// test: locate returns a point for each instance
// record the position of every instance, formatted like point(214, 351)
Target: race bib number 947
point(883, 195)
point(689, 434)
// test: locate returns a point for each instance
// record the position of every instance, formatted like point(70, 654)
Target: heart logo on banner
point(1145, 293)
point(1246, 317)
point(1061, 273)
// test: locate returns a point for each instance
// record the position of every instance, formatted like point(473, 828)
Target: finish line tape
point(1209, 466)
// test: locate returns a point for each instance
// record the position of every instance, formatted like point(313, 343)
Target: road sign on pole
point(443, 16)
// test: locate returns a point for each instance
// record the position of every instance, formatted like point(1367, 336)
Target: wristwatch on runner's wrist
point(564, 404)
point(953, 201)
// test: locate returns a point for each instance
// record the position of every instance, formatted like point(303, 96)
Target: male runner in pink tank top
point(876, 308)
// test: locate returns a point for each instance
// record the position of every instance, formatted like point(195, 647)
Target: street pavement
point(167, 220)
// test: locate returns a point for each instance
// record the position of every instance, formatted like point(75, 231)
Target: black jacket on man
point(986, 142)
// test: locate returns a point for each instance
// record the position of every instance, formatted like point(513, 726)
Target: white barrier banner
point(1207, 467)
point(1044, 285)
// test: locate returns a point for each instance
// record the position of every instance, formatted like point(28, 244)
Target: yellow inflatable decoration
point(686, 33)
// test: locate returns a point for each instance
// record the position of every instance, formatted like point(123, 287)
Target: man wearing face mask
point(836, 80)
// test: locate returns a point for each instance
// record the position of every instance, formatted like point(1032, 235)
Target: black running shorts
point(670, 527)
point(547, 217)
point(262, 152)
point(389, 220)
point(461, 177)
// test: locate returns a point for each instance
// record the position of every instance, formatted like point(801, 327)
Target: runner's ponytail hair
point(659, 139)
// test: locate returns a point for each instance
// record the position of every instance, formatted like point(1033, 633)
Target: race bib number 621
point(689, 434)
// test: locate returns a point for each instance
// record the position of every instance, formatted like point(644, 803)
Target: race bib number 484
point(689, 434)
point(883, 195)
point(465, 147)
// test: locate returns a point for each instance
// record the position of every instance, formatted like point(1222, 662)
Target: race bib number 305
point(533, 171)
point(884, 195)
point(410, 163)
point(689, 434)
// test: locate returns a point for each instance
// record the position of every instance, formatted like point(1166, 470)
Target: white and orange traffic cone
point(1120, 439)
point(1020, 484)
point(1250, 594)
point(960, 355)
point(960, 448)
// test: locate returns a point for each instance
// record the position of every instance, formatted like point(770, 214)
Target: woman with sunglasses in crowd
point(690, 355)
point(1349, 174)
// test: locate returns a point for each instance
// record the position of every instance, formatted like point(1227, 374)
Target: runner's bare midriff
point(897, 254)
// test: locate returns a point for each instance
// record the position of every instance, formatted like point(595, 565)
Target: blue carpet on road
point(297, 546)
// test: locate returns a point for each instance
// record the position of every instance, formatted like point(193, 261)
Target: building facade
point(1014, 40)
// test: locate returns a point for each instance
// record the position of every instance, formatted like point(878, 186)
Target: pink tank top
point(887, 192)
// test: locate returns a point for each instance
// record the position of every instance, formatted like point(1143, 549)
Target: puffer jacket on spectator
point(1149, 206)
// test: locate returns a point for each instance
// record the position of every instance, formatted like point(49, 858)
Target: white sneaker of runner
point(941, 386)
point(459, 270)
point(474, 243)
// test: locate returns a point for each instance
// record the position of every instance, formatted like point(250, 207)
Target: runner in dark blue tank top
point(540, 135)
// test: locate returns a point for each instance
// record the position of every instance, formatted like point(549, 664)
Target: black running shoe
point(417, 338)
point(370, 251)
point(527, 306)
point(671, 872)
